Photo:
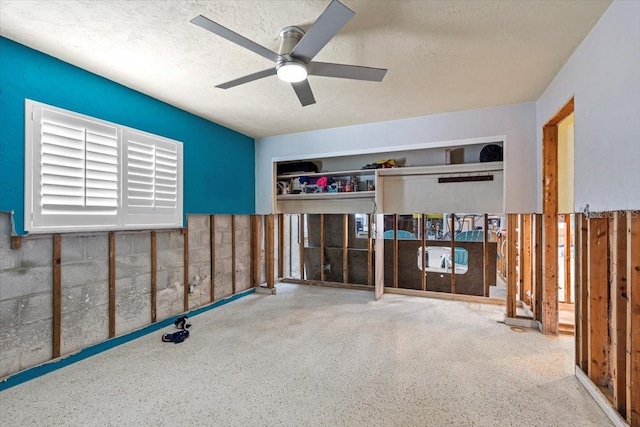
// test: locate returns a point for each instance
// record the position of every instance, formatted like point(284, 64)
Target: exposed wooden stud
point(453, 254)
point(633, 318)
point(567, 258)
point(582, 301)
point(16, 242)
point(527, 270)
point(379, 254)
point(270, 251)
point(395, 250)
point(322, 260)
point(212, 245)
point(598, 301)
point(112, 284)
point(485, 255)
point(536, 302)
point(370, 251)
point(345, 248)
point(562, 114)
point(423, 244)
point(290, 245)
point(154, 277)
point(301, 243)
point(618, 272)
point(520, 257)
point(550, 324)
point(280, 245)
point(511, 264)
point(233, 254)
point(185, 279)
point(57, 295)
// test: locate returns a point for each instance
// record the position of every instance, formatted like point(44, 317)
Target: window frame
point(83, 221)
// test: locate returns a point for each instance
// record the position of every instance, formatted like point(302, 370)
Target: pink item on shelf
point(322, 182)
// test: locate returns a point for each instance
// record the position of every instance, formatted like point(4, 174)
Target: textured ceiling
point(442, 56)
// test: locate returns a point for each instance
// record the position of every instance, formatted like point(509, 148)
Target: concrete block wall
point(26, 284)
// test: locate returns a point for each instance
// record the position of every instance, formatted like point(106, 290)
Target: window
point(83, 173)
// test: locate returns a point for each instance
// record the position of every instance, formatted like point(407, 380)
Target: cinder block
point(35, 308)
point(9, 258)
point(73, 248)
point(169, 302)
point(84, 328)
point(124, 244)
point(132, 265)
point(72, 299)
point(199, 255)
point(162, 278)
point(8, 313)
point(223, 252)
point(80, 273)
point(198, 222)
point(95, 294)
point(243, 222)
point(25, 281)
point(204, 239)
point(5, 225)
point(36, 252)
point(223, 285)
point(170, 258)
point(223, 223)
point(142, 243)
point(33, 343)
point(172, 239)
point(97, 247)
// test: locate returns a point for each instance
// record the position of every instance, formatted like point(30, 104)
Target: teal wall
point(219, 164)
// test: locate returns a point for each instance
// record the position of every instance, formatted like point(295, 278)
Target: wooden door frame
point(550, 320)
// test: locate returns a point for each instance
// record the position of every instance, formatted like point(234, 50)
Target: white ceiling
point(442, 56)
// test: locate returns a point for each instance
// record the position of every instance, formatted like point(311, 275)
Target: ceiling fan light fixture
point(292, 72)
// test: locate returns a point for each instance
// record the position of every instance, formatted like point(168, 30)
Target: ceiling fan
point(297, 50)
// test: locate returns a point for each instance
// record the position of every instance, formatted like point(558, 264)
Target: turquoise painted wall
point(219, 164)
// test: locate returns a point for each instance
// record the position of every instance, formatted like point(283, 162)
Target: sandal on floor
point(176, 337)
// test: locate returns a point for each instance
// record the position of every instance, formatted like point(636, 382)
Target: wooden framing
point(527, 255)
point(520, 258)
point(453, 254)
point(322, 260)
point(212, 245)
point(112, 284)
point(270, 251)
point(536, 237)
point(618, 293)
point(301, 243)
point(154, 277)
point(423, 244)
point(16, 242)
point(567, 258)
point(582, 293)
point(485, 257)
point(633, 319)
point(345, 248)
point(233, 254)
point(290, 245)
point(598, 303)
point(185, 279)
point(512, 284)
point(370, 252)
point(57, 295)
point(395, 250)
point(280, 245)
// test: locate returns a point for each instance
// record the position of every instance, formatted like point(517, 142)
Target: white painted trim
point(600, 399)
point(389, 149)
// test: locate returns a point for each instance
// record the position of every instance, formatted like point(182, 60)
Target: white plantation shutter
point(75, 170)
point(152, 185)
point(83, 174)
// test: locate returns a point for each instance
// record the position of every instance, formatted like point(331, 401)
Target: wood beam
point(369, 251)
point(112, 284)
point(185, 279)
point(618, 272)
point(567, 258)
point(212, 246)
point(633, 318)
point(453, 253)
point(280, 245)
point(520, 257)
point(322, 260)
point(582, 287)
point(485, 256)
point(597, 231)
point(233, 254)
point(270, 249)
point(550, 324)
point(290, 245)
point(57, 295)
point(345, 248)
point(563, 113)
point(423, 244)
point(512, 284)
point(154, 277)
point(16, 242)
point(536, 302)
point(301, 244)
point(395, 250)
point(527, 270)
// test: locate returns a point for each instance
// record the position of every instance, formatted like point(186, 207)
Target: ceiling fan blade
point(335, 16)
point(342, 71)
point(303, 90)
point(249, 78)
point(236, 38)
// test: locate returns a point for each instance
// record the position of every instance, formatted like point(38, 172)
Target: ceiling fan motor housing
point(289, 38)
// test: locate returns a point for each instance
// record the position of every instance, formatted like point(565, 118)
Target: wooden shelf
point(355, 172)
point(328, 196)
